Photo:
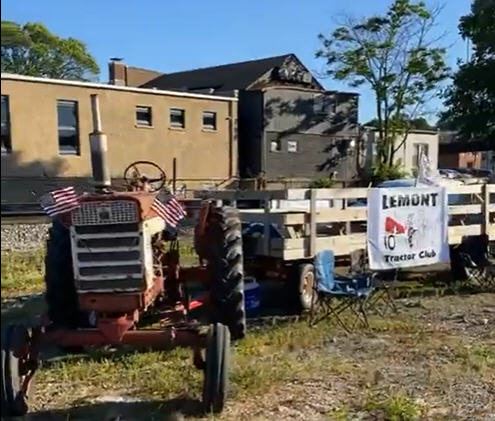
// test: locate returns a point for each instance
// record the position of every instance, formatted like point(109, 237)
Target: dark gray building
point(289, 126)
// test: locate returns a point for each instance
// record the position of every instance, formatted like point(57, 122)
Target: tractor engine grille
point(107, 212)
point(107, 247)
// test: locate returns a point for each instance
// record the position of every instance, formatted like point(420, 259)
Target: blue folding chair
point(334, 294)
point(476, 265)
point(382, 299)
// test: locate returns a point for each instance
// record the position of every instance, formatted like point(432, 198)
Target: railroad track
point(24, 218)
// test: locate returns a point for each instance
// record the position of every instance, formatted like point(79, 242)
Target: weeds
point(394, 325)
point(340, 415)
point(476, 357)
point(399, 407)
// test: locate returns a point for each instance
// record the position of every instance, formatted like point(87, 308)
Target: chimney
point(117, 71)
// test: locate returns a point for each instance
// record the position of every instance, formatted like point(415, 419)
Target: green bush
point(323, 183)
point(383, 172)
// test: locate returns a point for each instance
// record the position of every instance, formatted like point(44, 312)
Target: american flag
point(60, 201)
point(169, 210)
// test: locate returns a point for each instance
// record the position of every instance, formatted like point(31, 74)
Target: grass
point(188, 256)
point(159, 375)
point(476, 357)
point(271, 359)
point(397, 407)
point(260, 361)
point(469, 356)
point(397, 324)
point(265, 360)
point(340, 415)
point(283, 354)
point(22, 272)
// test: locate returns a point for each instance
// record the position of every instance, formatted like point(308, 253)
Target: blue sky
point(172, 35)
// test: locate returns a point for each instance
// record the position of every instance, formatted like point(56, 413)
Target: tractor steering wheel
point(137, 176)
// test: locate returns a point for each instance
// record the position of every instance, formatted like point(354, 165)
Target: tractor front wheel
point(216, 368)
point(17, 370)
point(223, 237)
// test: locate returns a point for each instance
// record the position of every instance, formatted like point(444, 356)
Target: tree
point(471, 98)
point(419, 123)
point(33, 50)
point(12, 35)
point(395, 54)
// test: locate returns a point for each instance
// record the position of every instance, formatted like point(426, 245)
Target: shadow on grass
point(25, 309)
point(171, 410)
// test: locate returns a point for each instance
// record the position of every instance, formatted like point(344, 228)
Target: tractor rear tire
point(215, 384)
point(60, 295)
point(223, 236)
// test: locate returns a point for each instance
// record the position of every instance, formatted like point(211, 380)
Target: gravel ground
point(22, 237)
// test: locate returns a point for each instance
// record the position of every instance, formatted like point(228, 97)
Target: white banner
point(407, 226)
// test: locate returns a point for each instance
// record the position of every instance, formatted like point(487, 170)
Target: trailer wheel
point(304, 286)
point(226, 269)
point(60, 295)
point(216, 368)
point(17, 371)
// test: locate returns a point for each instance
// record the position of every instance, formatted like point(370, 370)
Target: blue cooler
point(251, 296)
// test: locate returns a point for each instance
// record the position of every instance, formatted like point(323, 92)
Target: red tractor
point(111, 261)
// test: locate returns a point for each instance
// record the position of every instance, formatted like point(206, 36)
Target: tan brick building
point(46, 123)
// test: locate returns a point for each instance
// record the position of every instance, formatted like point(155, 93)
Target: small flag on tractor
point(60, 201)
point(169, 210)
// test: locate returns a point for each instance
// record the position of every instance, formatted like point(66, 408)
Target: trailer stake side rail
point(312, 220)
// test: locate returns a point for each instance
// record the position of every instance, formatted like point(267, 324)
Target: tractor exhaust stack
point(98, 146)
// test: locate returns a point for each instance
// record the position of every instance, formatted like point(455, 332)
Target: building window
point(177, 118)
point(292, 146)
point(209, 120)
point(419, 150)
point(276, 145)
point(6, 140)
point(68, 127)
point(143, 116)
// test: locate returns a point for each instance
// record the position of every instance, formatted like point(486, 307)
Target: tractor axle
point(159, 339)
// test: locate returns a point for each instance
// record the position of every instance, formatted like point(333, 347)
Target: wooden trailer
point(296, 224)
